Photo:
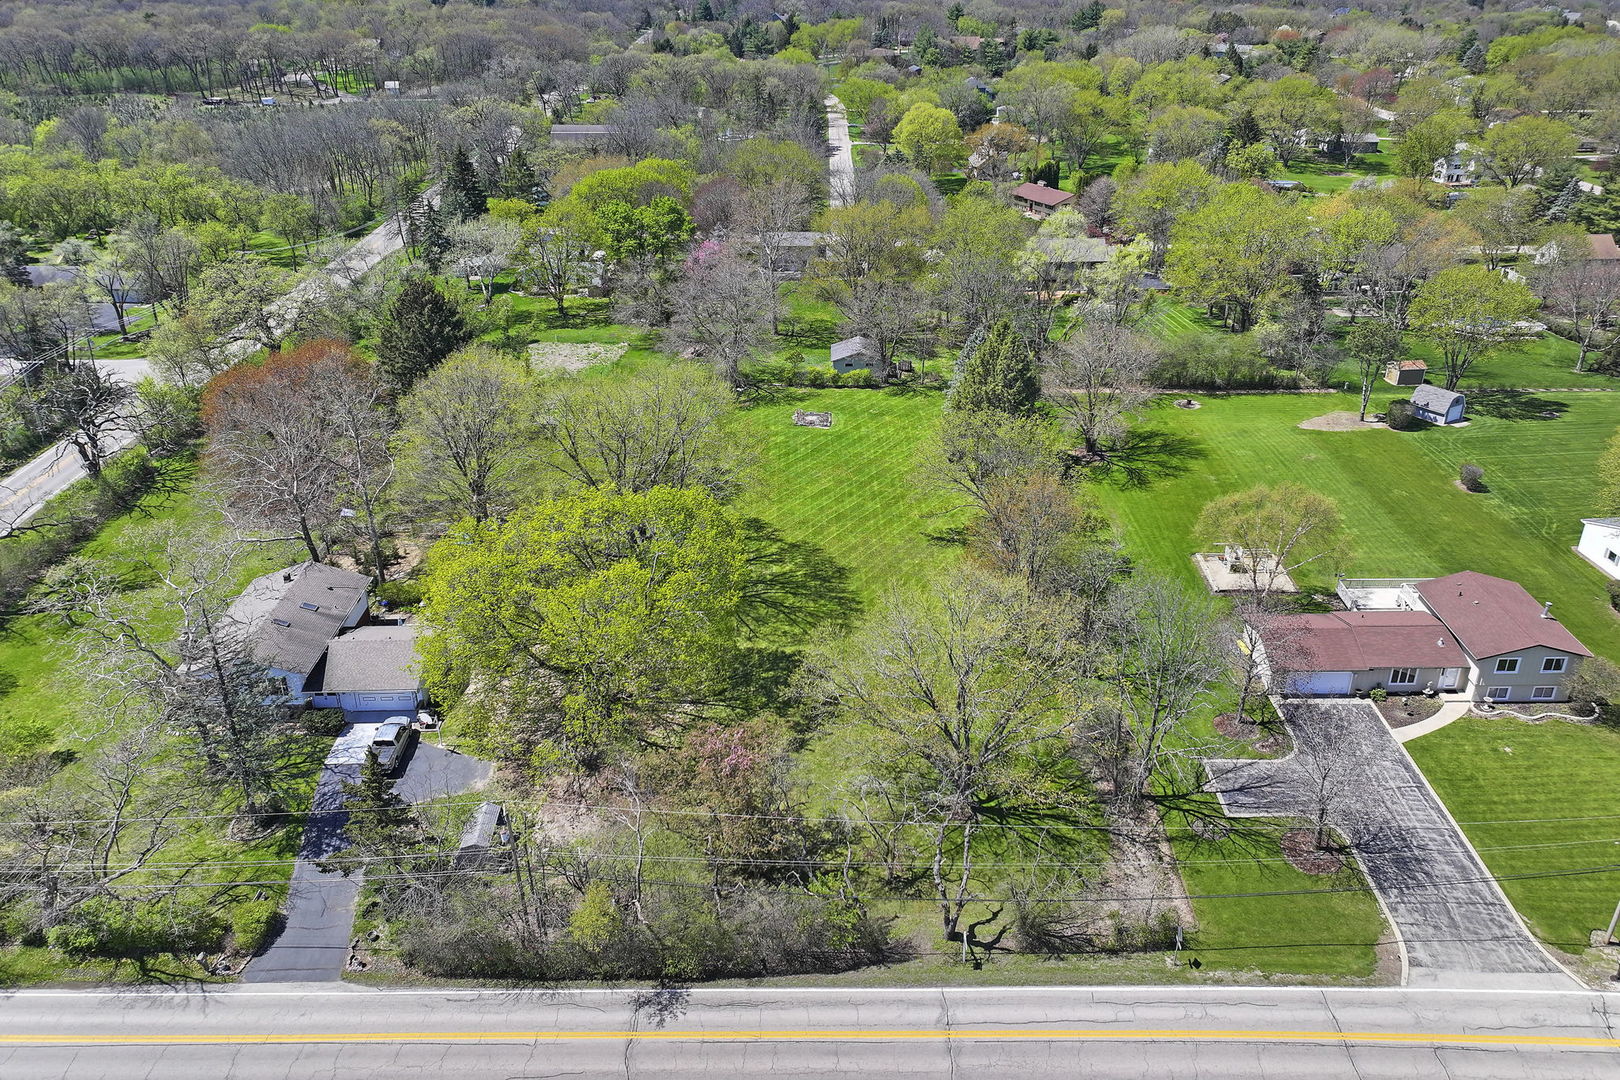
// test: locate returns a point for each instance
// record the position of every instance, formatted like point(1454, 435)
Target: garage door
point(1326, 683)
point(403, 699)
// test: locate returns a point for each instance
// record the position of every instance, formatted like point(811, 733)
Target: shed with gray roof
point(1438, 405)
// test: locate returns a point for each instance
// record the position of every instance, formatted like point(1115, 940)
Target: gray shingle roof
point(370, 658)
point(1434, 398)
point(855, 346)
point(287, 617)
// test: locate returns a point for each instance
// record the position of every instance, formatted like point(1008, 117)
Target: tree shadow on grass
point(1515, 405)
point(809, 330)
point(1146, 456)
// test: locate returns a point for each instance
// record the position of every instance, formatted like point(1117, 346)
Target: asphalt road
point(1456, 927)
point(841, 162)
point(1113, 1033)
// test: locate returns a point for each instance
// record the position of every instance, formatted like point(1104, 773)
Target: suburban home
point(369, 669)
point(307, 624)
point(1039, 200)
point(1438, 405)
point(1482, 637)
point(853, 353)
point(288, 617)
point(1600, 544)
point(790, 252)
point(1600, 247)
point(1346, 143)
point(592, 137)
point(1456, 168)
point(1406, 372)
point(1070, 254)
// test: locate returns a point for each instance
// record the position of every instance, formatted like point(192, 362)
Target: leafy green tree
point(929, 136)
point(998, 375)
point(464, 195)
point(1154, 198)
point(1467, 311)
point(1515, 151)
point(656, 231)
point(1428, 141)
point(1608, 472)
point(593, 620)
point(1373, 346)
point(1291, 111)
point(418, 329)
point(1237, 249)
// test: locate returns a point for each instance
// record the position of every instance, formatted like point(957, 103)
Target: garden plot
point(569, 356)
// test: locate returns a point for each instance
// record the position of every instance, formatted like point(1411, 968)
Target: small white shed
point(1600, 544)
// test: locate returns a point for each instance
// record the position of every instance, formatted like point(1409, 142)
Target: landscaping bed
point(1404, 709)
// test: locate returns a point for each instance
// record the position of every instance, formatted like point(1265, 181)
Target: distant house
point(1406, 372)
point(789, 253)
point(973, 82)
point(1437, 405)
point(287, 618)
point(1456, 168)
point(1039, 200)
point(1471, 634)
point(1600, 247)
point(1069, 254)
point(853, 353)
point(1341, 144)
point(593, 137)
point(1600, 544)
point(369, 669)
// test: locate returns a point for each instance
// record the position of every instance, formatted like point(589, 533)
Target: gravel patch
point(574, 356)
point(1338, 421)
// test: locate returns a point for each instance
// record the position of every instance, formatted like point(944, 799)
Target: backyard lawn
point(1536, 799)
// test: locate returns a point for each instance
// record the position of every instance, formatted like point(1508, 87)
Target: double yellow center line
point(830, 1035)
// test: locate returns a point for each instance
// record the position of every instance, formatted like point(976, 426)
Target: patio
point(1234, 570)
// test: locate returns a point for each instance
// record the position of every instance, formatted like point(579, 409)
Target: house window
point(1543, 693)
point(1403, 676)
point(1498, 693)
point(1507, 665)
point(1612, 556)
point(1554, 663)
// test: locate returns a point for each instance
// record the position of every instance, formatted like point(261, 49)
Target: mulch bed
point(1407, 709)
point(1299, 848)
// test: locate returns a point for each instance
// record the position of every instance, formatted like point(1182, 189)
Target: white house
point(1468, 633)
point(853, 353)
point(1438, 405)
point(1457, 167)
point(1600, 544)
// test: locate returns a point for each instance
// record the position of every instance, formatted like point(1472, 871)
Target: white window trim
point(1514, 670)
point(1561, 661)
point(1537, 695)
point(1408, 682)
point(1491, 693)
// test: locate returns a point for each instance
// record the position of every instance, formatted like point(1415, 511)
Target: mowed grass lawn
point(1536, 799)
point(854, 488)
point(1397, 492)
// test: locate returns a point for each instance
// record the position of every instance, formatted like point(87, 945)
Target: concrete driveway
point(314, 945)
point(1457, 929)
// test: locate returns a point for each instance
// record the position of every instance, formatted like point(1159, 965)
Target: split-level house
point(1468, 633)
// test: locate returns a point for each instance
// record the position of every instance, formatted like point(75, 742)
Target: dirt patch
point(1188, 403)
point(1237, 727)
point(1338, 421)
point(573, 356)
point(1398, 712)
point(1299, 848)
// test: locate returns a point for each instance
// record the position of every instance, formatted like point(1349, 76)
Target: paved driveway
point(314, 946)
point(1456, 927)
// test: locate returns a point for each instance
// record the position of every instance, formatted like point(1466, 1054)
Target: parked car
point(392, 742)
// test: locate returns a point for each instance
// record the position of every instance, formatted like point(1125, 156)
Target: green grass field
point(1536, 799)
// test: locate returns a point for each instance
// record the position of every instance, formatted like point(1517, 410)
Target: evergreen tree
point(464, 194)
point(705, 12)
point(1089, 16)
point(1469, 39)
point(955, 12)
point(516, 177)
point(1245, 129)
point(419, 328)
point(999, 375)
point(1473, 61)
point(1563, 204)
point(432, 243)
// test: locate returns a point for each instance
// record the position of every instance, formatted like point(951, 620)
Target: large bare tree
point(723, 310)
point(1097, 378)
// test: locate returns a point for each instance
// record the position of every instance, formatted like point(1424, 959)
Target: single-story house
point(1468, 633)
point(1040, 200)
point(369, 669)
point(1068, 254)
point(592, 137)
point(1600, 544)
point(287, 618)
point(790, 252)
point(1350, 142)
point(1601, 247)
point(853, 353)
point(1406, 372)
point(1438, 405)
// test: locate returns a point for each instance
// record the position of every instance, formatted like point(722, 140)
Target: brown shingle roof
point(1040, 193)
point(1361, 641)
point(1603, 246)
point(1492, 616)
point(1411, 365)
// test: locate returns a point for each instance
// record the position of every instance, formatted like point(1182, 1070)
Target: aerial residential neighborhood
point(884, 538)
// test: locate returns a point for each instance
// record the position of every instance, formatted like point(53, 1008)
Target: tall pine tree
point(432, 243)
point(998, 375)
point(419, 328)
point(464, 194)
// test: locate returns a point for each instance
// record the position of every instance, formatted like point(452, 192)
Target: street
point(1115, 1033)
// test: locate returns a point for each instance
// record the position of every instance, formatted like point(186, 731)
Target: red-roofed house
point(1040, 200)
point(1466, 633)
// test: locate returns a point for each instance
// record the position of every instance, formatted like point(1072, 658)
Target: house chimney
point(1546, 610)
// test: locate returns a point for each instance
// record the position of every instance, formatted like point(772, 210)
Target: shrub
point(1472, 477)
point(117, 930)
point(1378, 693)
point(1614, 594)
point(860, 377)
point(402, 595)
point(1219, 362)
point(253, 923)
point(1401, 416)
point(323, 722)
